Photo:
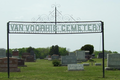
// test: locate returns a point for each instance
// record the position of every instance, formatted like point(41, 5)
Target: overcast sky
point(83, 10)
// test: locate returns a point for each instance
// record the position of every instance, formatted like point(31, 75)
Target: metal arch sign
point(52, 28)
point(72, 27)
point(75, 27)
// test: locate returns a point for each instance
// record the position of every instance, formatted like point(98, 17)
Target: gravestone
point(113, 61)
point(87, 55)
point(86, 64)
point(105, 55)
point(49, 59)
point(13, 65)
point(53, 57)
point(75, 67)
point(30, 58)
point(15, 53)
point(46, 57)
point(100, 55)
point(72, 54)
point(34, 56)
point(80, 55)
point(2, 53)
point(32, 52)
point(98, 64)
point(65, 60)
point(16, 57)
point(21, 63)
point(24, 55)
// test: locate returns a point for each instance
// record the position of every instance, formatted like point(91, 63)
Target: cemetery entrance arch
point(55, 27)
point(73, 27)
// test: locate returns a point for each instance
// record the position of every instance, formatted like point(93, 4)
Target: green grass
point(44, 70)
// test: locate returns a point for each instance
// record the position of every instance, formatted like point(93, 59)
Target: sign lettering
point(52, 28)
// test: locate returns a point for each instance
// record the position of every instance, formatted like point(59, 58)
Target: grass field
point(44, 70)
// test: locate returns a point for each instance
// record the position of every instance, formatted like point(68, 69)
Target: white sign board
point(51, 27)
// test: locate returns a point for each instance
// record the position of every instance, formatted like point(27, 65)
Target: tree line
point(55, 49)
point(43, 52)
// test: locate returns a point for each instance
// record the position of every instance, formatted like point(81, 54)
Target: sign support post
point(8, 47)
point(102, 25)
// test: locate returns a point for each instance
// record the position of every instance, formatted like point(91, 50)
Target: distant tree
point(115, 52)
point(52, 50)
point(10, 51)
point(56, 50)
point(88, 47)
point(42, 52)
point(63, 51)
point(29, 49)
point(97, 52)
point(106, 51)
point(21, 50)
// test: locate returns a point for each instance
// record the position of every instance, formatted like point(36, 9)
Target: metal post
point(8, 47)
point(103, 47)
point(55, 20)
